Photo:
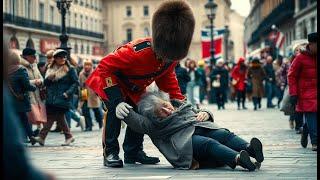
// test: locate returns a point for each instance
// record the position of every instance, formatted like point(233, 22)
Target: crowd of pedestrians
point(52, 91)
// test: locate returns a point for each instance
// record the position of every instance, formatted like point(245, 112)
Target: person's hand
point(65, 95)
point(270, 79)
point(195, 164)
point(122, 110)
point(282, 88)
point(203, 116)
point(38, 82)
point(293, 100)
point(51, 76)
point(218, 76)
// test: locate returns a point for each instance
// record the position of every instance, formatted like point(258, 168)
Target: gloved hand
point(293, 100)
point(122, 110)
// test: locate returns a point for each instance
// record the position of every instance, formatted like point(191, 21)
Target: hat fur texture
point(173, 25)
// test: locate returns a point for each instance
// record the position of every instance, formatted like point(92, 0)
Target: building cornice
point(305, 10)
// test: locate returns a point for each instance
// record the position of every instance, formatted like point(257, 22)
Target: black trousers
point(133, 141)
point(220, 96)
point(25, 124)
point(241, 97)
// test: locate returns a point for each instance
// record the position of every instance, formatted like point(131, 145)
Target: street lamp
point(63, 7)
point(274, 29)
point(226, 38)
point(211, 9)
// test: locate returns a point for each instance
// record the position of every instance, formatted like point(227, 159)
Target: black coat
point(16, 163)
point(270, 74)
point(20, 85)
point(68, 84)
point(224, 76)
point(183, 78)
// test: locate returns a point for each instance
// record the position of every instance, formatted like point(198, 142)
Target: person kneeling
point(188, 138)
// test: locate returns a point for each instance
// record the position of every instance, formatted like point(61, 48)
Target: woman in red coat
point(238, 75)
point(302, 80)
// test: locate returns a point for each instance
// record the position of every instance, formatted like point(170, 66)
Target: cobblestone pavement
point(284, 157)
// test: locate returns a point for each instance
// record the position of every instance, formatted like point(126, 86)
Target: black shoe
point(238, 108)
point(255, 108)
point(223, 107)
point(32, 140)
point(141, 158)
point(304, 138)
point(271, 106)
point(113, 160)
point(56, 130)
point(88, 129)
point(255, 149)
point(245, 162)
point(259, 106)
point(36, 132)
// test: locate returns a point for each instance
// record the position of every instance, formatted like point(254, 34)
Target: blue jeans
point(269, 92)
point(71, 114)
point(97, 113)
point(311, 120)
point(218, 146)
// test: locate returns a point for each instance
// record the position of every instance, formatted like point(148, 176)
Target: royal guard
point(123, 75)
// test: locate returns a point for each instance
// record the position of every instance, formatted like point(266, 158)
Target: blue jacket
point(183, 78)
point(68, 83)
point(20, 86)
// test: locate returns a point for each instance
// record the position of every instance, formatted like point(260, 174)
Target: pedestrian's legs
point(25, 124)
point(190, 93)
point(255, 102)
point(269, 94)
point(68, 118)
point(87, 116)
point(207, 149)
point(98, 116)
point(259, 102)
point(60, 117)
point(47, 126)
point(311, 120)
point(238, 98)
point(243, 99)
point(218, 99)
point(298, 118)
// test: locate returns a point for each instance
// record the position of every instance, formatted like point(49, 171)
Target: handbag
point(234, 82)
point(216, 83)
point(286, 106)
point(37, 114)
point(84, 95)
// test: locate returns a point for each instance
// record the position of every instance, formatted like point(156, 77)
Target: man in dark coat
point(270, 81)
point(203, 140)
point(183, 78)
point(123, 75)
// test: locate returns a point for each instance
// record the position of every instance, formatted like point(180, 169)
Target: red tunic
point(239, 76)
point(137, 65)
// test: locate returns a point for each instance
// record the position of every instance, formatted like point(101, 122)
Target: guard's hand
point(203, 116)
point(122, 110)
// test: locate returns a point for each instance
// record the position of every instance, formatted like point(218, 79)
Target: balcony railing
point(23, 22)
point(280, 14)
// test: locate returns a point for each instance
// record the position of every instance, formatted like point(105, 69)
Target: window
point(28, 9)
point(88, 49)
point(302, 4)
point(76, 48)
point(82, 49)
point(129, 35)
point(129, 13)
point(81, 22)
point(41, 12)
point(95, 25)
point(91, 24)
point(313, 24)
point(81, 3)
point(146, 32)
point(145, 11)
point(75, 20)
point(86, 23)
point(51, 14)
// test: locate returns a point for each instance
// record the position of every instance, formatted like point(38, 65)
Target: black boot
point(112, 160)
point(304, 136)
point(255, 149)
point(255, 103)
point(244, 161)
point(142, 158)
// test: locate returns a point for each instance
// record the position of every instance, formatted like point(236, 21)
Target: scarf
point(59, 71)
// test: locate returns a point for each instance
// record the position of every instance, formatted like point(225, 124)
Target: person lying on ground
point(189, 138)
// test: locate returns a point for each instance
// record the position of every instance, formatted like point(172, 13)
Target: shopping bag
point(216, 83)
point(37, 114)
point(286, 105)
point(234, 82)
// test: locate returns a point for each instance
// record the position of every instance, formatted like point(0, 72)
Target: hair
point(50, 53)
point(148, 103)
point(14, 58)
point(173, 25)
point(87, 62)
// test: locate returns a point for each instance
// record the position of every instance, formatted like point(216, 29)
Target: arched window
point(129, 34)
point(88, 49)
point(82, 49)
point(14, 43)
point(146, 32)
point(30, 43)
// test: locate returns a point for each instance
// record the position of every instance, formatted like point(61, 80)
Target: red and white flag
point(205, 43)
point(279, 39)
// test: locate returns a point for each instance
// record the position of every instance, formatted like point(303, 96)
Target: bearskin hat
point(172, 30)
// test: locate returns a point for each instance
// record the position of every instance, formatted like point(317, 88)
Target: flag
point(206, 43)
point(279, 40)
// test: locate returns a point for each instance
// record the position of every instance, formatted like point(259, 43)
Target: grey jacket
point(172, 135)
